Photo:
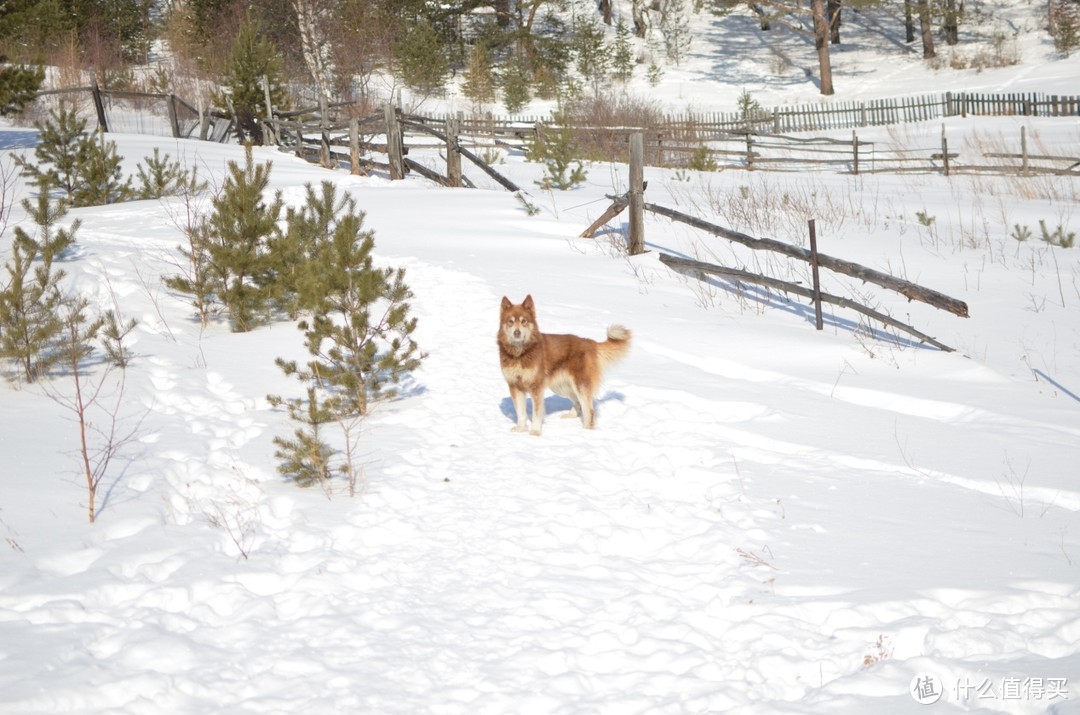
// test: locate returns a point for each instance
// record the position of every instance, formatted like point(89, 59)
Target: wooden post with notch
point(453, 152)
point(818, 321)
point(637, 194)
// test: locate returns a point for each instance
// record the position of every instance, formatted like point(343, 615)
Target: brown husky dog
point(570, 366)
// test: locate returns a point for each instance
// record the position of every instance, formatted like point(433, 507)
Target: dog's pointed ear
point(528, 304)
point(506, 304)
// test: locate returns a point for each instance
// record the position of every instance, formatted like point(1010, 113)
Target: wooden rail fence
point(908, 289)
point(761, 139)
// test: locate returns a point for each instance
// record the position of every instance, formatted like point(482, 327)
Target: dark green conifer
point(100, 176)
point(238, 232)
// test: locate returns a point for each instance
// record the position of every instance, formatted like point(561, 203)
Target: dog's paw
point(519, 428)
point(535, 433)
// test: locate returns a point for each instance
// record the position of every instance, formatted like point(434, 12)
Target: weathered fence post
point(394, 147)
point(354, 144)
point(324, 135)
point(1023, 151)
point(636, 194)
point(95, 92)
point(204, 126)
point(269, 136)
point(749, 150)
point(173, 122)
point(855, 150)
point(944, 150)
point(818, 320)
point(453, 151)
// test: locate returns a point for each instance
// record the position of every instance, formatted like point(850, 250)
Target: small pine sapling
point(62, 143)
point(306, 458)
point(557, 149)
point(357, 330)
point(114, 333)
point(238, 232)
point(100, 176)
point(30, 296)
point(160, 176)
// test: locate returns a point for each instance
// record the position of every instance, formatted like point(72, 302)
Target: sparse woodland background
point(575, 52)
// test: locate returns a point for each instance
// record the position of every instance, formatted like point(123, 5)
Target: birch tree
point(312, 19)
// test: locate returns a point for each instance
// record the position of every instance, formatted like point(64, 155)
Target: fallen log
point(685, 264)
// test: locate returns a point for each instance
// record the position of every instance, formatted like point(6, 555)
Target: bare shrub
point(596, 117)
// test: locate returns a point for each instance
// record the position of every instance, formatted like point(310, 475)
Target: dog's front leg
point(518, 397)
point(538, 410)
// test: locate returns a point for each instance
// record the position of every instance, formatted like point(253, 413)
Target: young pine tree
point(238, 232)
point(358, 331)
point(478, 81)
point(557, 149)
point(18, 86)
point(306, 458)
point(422, 58)
point(30, 298)
point(61, 147)
point(622, 53)
point(100, 178)
point(160, 176)
point(514, 83)
point(252, 58)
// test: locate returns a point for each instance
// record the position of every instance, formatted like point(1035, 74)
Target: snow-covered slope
point(768, 519)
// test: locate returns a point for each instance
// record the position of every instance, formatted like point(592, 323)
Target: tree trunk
point(821, 43)
point(909, 22)
point(951, 24)
point(314, 46)
point(832, 8)
point(605, 11)
point(927, 29)
point(641, 24)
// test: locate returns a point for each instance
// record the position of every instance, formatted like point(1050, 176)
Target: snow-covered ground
point(768, 519)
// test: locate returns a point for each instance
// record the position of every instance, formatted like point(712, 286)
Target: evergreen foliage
point(61, 147)
point(357, 329)
point(422, 59)
point(306, 458)
point(228, 250)
point(17, 86)
point(622, 53)
point(238, 231)
point(100, 180)
point(252, 58)
point(592, 54)
point(160, 176)
point(114, 332)
point(30, 298)
point(557, 149)
point(478, 82)
point(195, 281)
point(514, 82)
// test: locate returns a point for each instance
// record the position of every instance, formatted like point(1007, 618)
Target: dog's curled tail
point(616, 345)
